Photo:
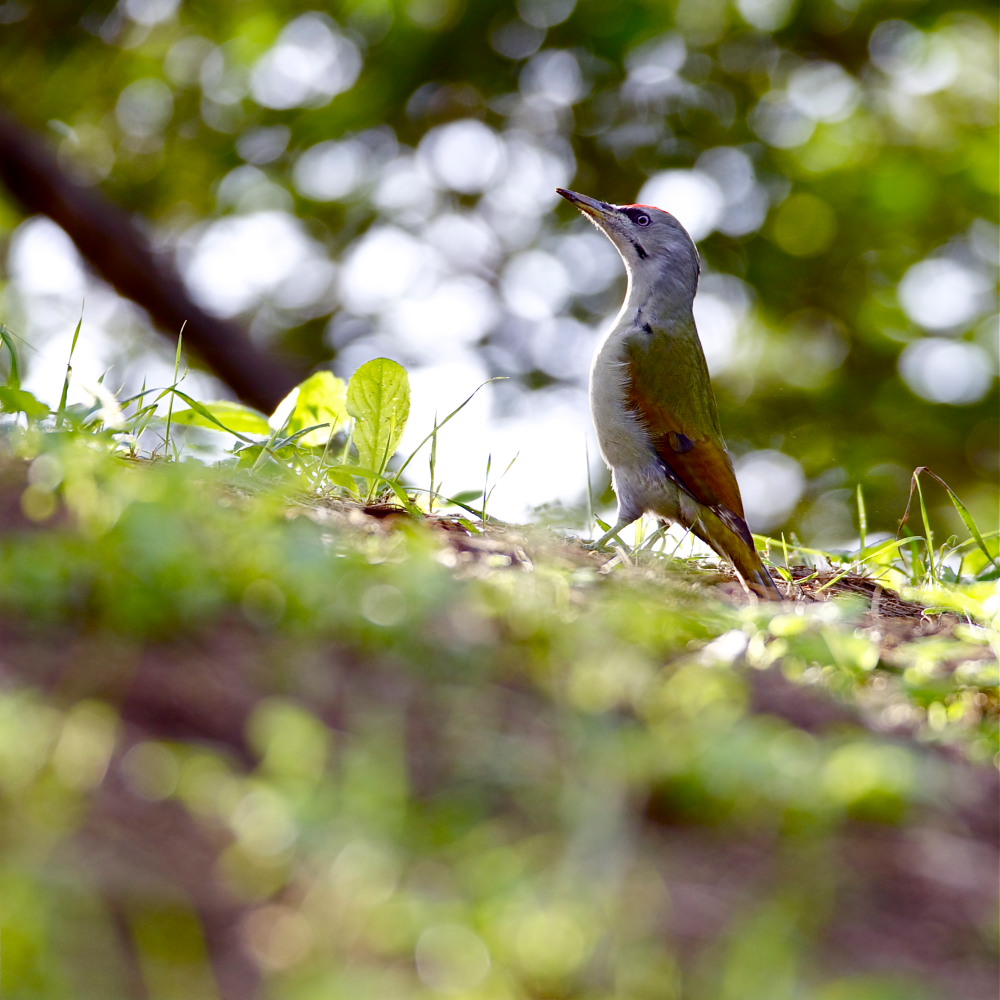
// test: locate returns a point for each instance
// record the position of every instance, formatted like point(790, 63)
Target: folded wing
point(688, 446)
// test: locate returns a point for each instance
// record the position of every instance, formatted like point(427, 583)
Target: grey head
point(661, 259)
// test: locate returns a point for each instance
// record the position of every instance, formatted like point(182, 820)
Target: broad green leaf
point(320, 400)
point(465, 497)
point(232, 416)
point(21, 401)
point(343, 479)
point(246, 457)
point(378, 398)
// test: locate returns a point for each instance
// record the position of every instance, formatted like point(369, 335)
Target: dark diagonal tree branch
point(116, 249)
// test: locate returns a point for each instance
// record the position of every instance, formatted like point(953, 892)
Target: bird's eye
point(642, 220)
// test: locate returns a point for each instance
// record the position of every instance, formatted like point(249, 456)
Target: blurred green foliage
point(850, 142)
point(238, 734)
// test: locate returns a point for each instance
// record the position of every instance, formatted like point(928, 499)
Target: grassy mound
point(258, 744)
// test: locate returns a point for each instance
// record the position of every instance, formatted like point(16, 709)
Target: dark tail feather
point(731, 545)
point(760, 582)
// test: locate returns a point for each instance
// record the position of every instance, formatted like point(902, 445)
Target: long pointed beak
point(589, 206)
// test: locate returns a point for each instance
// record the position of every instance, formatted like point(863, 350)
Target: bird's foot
point(608, 540)
point(597, 545)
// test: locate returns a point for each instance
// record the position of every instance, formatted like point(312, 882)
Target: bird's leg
point(601, 542)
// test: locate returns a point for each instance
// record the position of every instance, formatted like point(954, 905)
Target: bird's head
point(660, 256)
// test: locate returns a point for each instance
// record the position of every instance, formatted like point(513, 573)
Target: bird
point(651, 396)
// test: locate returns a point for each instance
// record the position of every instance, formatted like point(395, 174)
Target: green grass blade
point(459, 502)
point(297, 437)
point(961, 509)
point(931, 567)
point(390, 482)
point(659, 534)
point(437, 426)
point(862, 516)
point(204, 412)
point(60, 413)
point(486, 483)
point(7, 340)
point(177, 381)
point(784, 553)
point(970, 523)
point(510, 465)
point(431, 464)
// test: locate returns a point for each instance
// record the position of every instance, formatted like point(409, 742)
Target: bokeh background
point(376, 178)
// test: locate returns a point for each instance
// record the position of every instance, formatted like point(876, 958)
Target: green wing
point(668, 387)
